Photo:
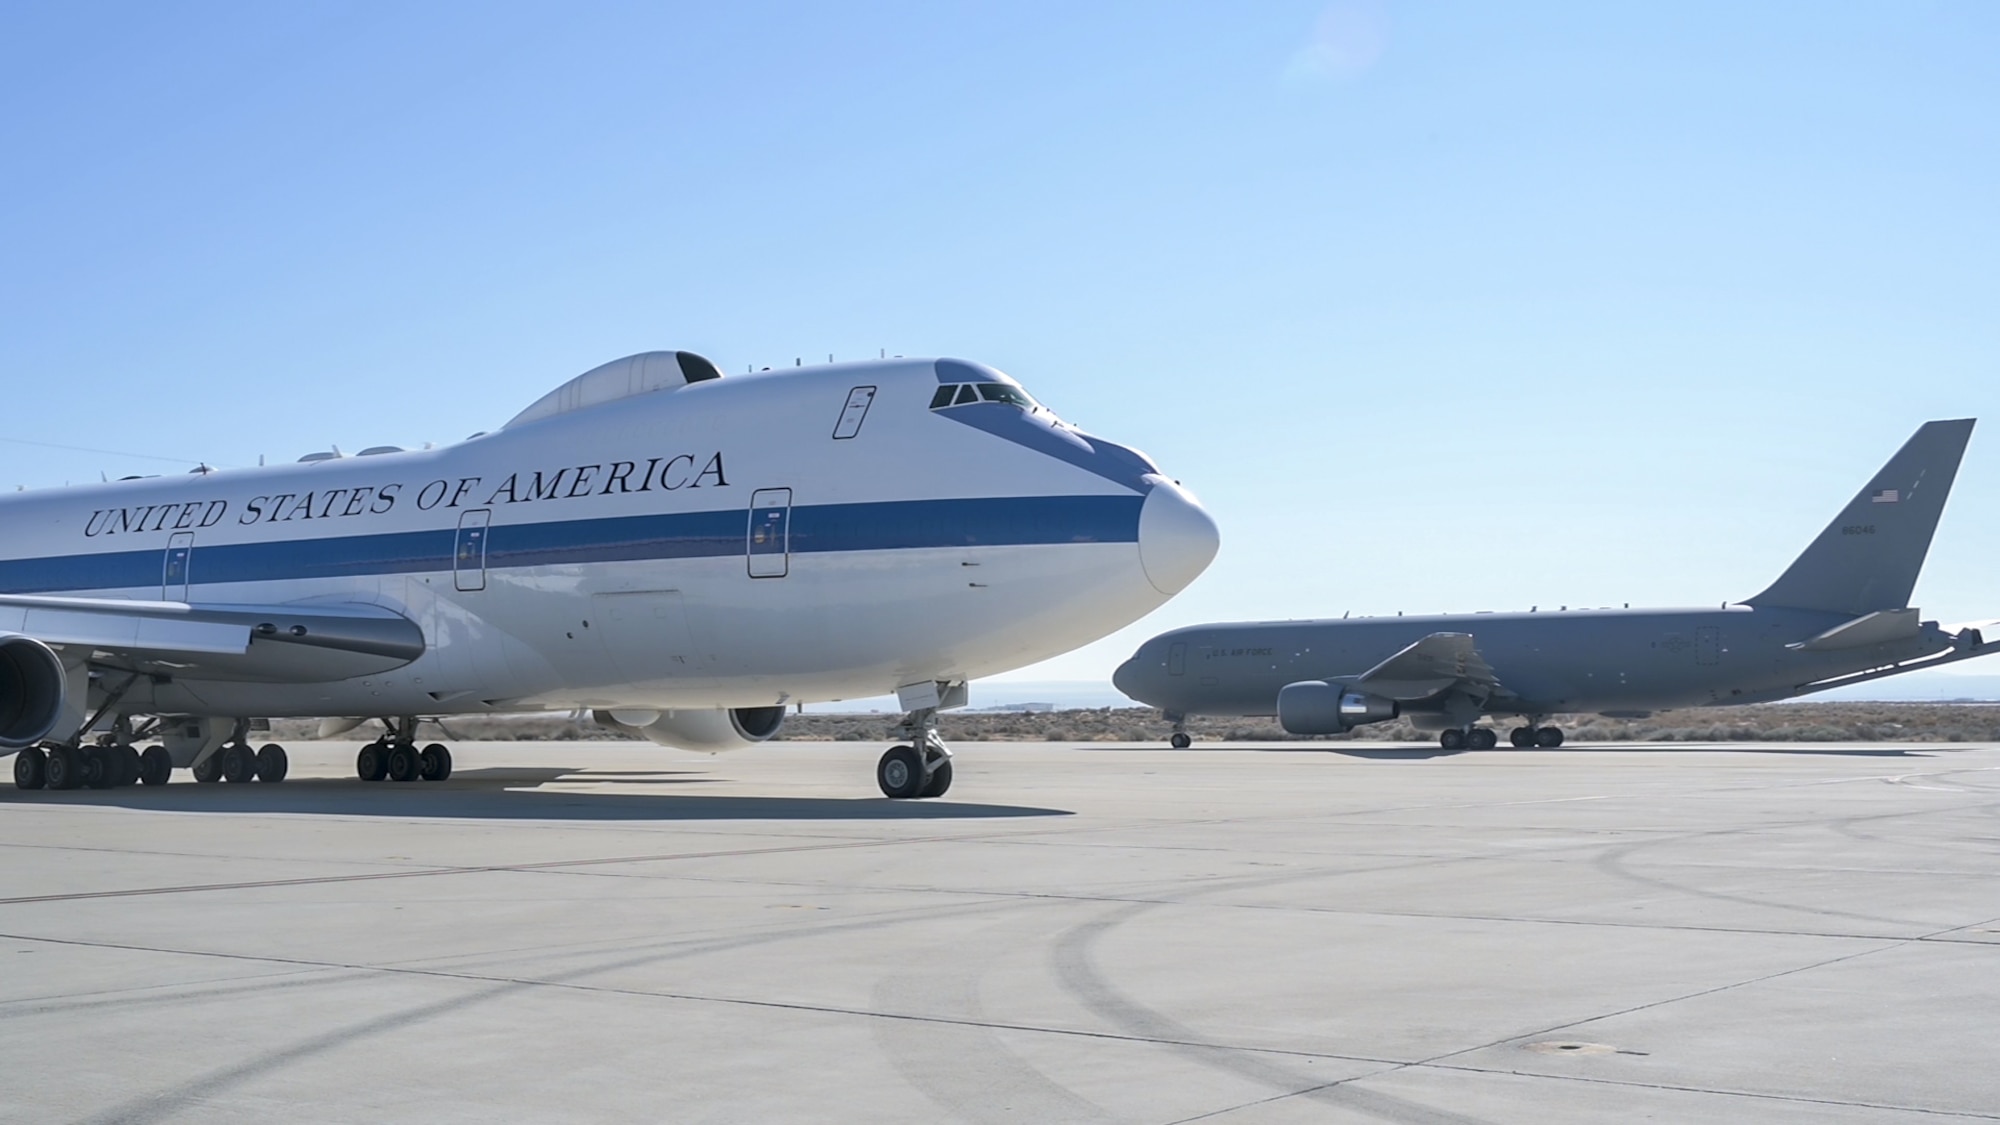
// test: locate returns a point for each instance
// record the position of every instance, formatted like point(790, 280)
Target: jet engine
point(1318, 707)
point(712, 731)
point(32, 686)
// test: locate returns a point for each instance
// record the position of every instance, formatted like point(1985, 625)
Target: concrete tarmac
point(1077, 933)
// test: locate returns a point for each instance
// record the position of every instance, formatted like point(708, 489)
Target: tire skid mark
point(125, 999)
point(1074, 956)
point(971, 1073)
point(1615, 862)
point(191, 1094)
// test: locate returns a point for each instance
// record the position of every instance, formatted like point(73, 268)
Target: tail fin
point(1867, 559)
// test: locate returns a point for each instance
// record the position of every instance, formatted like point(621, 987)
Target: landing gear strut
point(236, 762)
point(922, 769)
point(70, 764)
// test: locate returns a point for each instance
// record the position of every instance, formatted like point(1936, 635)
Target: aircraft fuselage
point(1599, 660)
point(753, 540)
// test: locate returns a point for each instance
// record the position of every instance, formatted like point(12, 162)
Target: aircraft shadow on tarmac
point(513, 793)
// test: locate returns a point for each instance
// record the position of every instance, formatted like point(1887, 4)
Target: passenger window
point(966, 394)
point(943, 396)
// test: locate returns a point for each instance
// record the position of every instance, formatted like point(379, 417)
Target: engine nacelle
point(712, 731)
point(1318, 707)
point(32, 687)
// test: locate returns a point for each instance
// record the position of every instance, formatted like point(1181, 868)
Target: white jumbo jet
point(686, 555)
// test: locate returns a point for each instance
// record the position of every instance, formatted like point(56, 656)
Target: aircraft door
point(468, 563)
point(174, 575)
point(1177, 658)
point(769, 544)
point(1708, 645)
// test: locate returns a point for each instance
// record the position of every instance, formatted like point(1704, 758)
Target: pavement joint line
point(1671, 1087)
point(474, 869)
point(1937, 937)
point(296, 972)
point(1570, 1025)
point(823, 846)
point(29, 845)
point(1440, 1062)
point(735, 1001)
point(1804, 1099)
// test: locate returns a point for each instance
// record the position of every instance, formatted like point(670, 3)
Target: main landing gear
point(1467, 738)
point(116, 765)
point(922, 769)
point(237, 764)
point(1531, 736)
point(395, 756)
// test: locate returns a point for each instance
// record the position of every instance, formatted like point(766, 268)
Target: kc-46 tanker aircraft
point(1840, 614)
point(685, 555)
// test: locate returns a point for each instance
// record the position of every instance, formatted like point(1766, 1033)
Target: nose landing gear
point(922, 769)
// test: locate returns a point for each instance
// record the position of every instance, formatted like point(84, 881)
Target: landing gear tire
point(273, 763)
point(1453, 739)
point(940, 780)
point(31, 768)
point(405, 764)
point(372, 764)
point(99, 771)
point(1483, 738)
point(133, 766)
point(435, 762)
point(239, 764)
point(1548, 738)
point(65, 771)
point(1180, 741)
point(900, 773)
point(155, 766)
point(1521, 737)
point(208, 769)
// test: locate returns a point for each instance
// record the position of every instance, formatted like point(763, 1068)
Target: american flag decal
point(1887, 496)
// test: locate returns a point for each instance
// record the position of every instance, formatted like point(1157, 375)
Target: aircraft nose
point(1130, 678)
point(1177, 539)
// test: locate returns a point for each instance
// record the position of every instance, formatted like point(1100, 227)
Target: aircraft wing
point(269, 644)
point(1434, 664)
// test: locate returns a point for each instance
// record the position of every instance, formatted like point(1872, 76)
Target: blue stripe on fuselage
point(880, 526)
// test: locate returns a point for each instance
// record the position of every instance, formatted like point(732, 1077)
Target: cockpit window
point(1001, 392)
point(965, 394)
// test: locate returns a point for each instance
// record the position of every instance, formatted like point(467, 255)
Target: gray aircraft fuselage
point(1840, 613)
point(1601, 660)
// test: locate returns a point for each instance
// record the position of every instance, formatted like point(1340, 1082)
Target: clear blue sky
point(1438, 306)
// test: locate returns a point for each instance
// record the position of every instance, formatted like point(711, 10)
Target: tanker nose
point(1130, 678)
point(1177, 539)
